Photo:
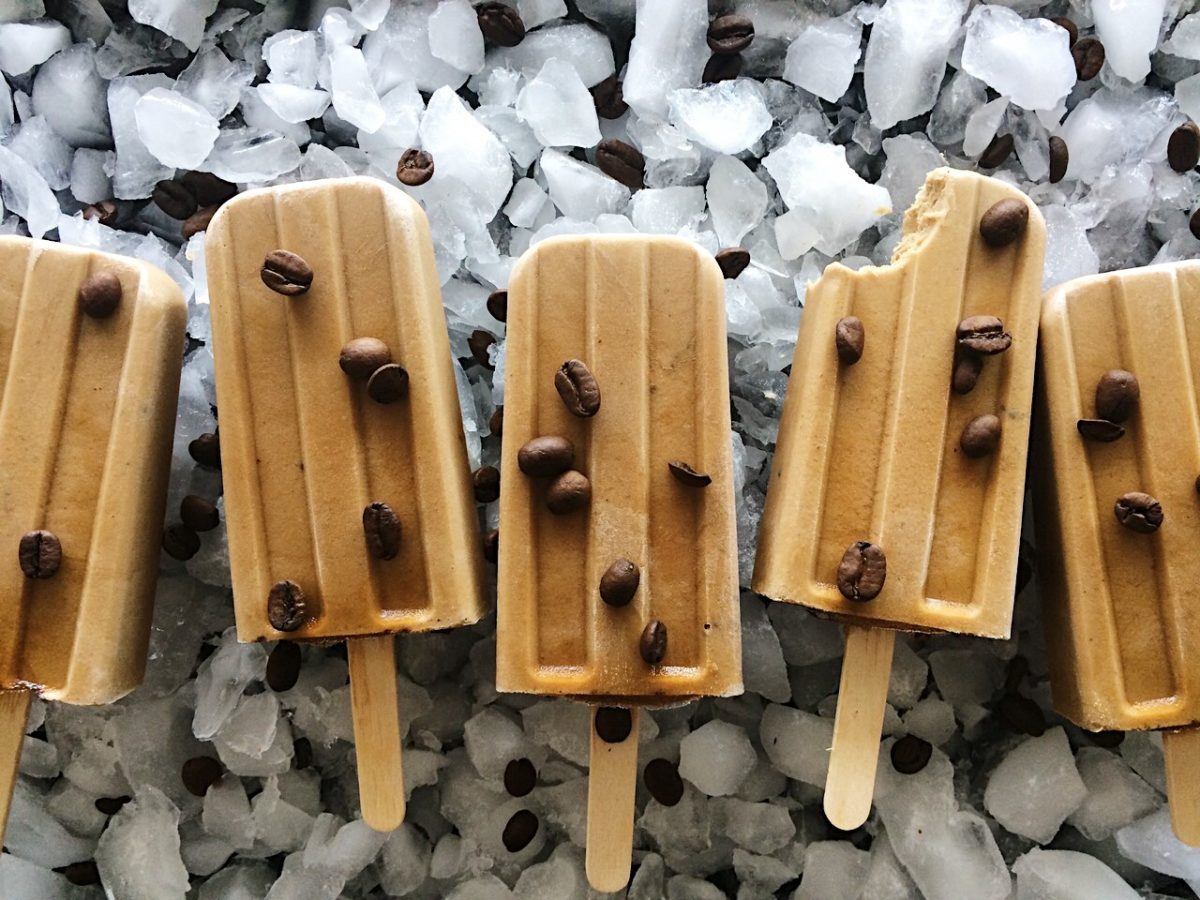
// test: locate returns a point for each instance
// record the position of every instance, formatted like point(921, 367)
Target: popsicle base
point(375, 705)
point(1181, 752)
point(612, 778)
point(14, 710)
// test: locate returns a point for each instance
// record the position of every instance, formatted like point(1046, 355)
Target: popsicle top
point(616, 348)
point(91, 347)
point(896, 489)
point(1118, 581)
point(347, 488)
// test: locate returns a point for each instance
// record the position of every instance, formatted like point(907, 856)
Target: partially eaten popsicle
point(1118, 518)
point(896, 490)
point(347, 488)
point(618, 560)
point(91, 347)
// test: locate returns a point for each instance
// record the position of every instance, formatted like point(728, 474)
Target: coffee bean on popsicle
point(547, 455)
point(1117, 395)
point(1100, 430)
point(862, 571)
point(980, 436)
point(1139, 512)
point(653, 643)
point(286, 273)
point(577, 387)
point(685, 474)
point(1003, 222)
point(849, 337)
point(619, 583)
point(381, 527)
point(968, 367)
point(568, 492)
point(100, 295)
point(39, 554)
point(388, 383)
point(285, 606)
point(362, 357)
point(983, 335)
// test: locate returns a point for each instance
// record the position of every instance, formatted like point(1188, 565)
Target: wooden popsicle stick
point(1181, 752)
point(14, 710)
point(375, 705)
point(612, 777)
point(862, 695)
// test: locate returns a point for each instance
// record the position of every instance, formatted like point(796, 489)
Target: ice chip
point(26, 193)
point(177, 131)
point(24, 45)
point(832, 869)
point(727, 117)
point(580, 190)
point(716, 758)
point(138, 854)
point(1035, 787)
point(467, 154)
point(250, 155)
point(822, 59)
point(1026, 60)
point(1067, 875)
point(737, 199)
point(668, 52)
point(558, 107)
point(182, 19)
point(291, 57)
point(1129, 32)
point(70, 93)
point(354, 96)
point(454, 35)
point(294, 104)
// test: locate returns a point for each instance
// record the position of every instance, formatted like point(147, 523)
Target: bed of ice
point(841, 110)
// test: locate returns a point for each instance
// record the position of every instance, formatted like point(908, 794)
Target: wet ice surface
point(790, 161)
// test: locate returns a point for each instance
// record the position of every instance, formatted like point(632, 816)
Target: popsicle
point(1117, 514)
point(896, 489)
point(618, 560)
point(347, 487)
point(91, 347)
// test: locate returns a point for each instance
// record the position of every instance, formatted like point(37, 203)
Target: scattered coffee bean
point(198, 221)
point(722, 67)
point(981, 436)
point(381, 526)
point(661, 777)
point(622, 162)
point(486, 483)
point(849, 337)
point(496, 421)
point(39, 554)
point(286, 273)
point(568, 492)
point(1183, 147)
point(1015, 673)
point(415, 167)
point(1004, 222)
point(104, 212)
point(685, 474)
point(578, 388)
point(609, 98)
point(110, 806)
point(1060, 157)
point(363, 357)
point(967, 368)
point(983, 335)
point(547, 455)
point(1100, 430)
point(100, 295)
point(1110, 740)
point(996, 152)
point(653, 643)
point(619, 583)
point(1139, 512)
point(1194, 224)
point(388, 384)
point(283, 666)
point(862, 571)
point(1117, 395)
point(519, 831)
point(200, 773)
point(174, 199)
point(613, 724)
point(1022, 715)
point(520, 777)
point(479, 343)
point(501, 24)
point(491, 545)
point(302, 753)
point(1088, 54)
point(206, 450)
point(82, 874)
point(730, 34)
point(732, 261)
point(207, 188)
point(286, 607)
point(199, 514)
point(910, 754)
point(180, 542)
point(497, 305)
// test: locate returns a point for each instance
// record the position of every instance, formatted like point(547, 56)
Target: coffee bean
point(286, 273)
point(609, 98)
point(415, 167)
point(501, 24)
point(568, 492)
point(206, 450)
point(983, 335)
point(520, 830)
point(685, 474)
point(619, 583)
point(100, 295)
point(285, 606)
point(981, 436)
point(545, 456)
point(520, 777)
point(496, 421)
point(862, 571)
point(207, 188)
point(82, 873)
point(1139, 512)
point(577, 386)
point(1117, 395)
point(381, 526)
point(733, 261)
point(1088, 54)
point(661, 777)
point(1004, 222)
point(491, 545)
point(180, 542)
point(486, 482)
point(497, 305)
point(198, 221)
point(479, 343)
point(621, 161)
point(613, 724)
point(1194, 224)
point(39, 554)
point(110, 806)
point(967, 368)
point(302, 753)
point(722, 67)
point(1060, 157)
point(730, 34)
point(283, 666)
point(1015, 672)
point(198, 513)
point(200, 773)
point(1183, 147)
point(363, 357)
point(174, 199)
point(653, 643)
point(1022, 715)
point(104, 212)
point(388, 384)
point(1070, 27)
point(849, 337)
point(1100, 430)
point(910, 754)
point(996, 152)
point(1110, 740)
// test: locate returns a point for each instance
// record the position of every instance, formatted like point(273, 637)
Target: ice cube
point(214, 81)
point(404, 860)
point(177, 131)
point(24, 45)
point(764, 670)
point(1185, 38)
point(181, 19)
point(910, 157)
point(1067, 875)
point(399, 51)
point(238, 882)
point(19, 878)
point(669, 210)
point(959, 99)
point(737, 199)
point(1026, 60)
point(727, 117)
point(454, 35)
point(138, 854)
point(248, 155)
point(70, 93)
point(581, 190)
point(467, 154)
point(19, 10)
point(668, 52)
point(369, 13)
point(932, 719)
point(221, 680)
point(758, 827)
point(1116, 795)
point(35, 142)
point(26, 193)
point(1068, 253)
point(292, 57)
point(354, 96)
point(797, 743)
point(226, 813)
point(716, 758)
point(493, 741)
point(294, 104)
point(539, 12)
point(558, 107)
point(583, 46)
point(832, 869)
point(982, 126)
point(822, 59)
point(1129, 32)
point(36, 836)
point(1111, 127)
point(1152, 843)
point(525, 203)
point(1035, 787)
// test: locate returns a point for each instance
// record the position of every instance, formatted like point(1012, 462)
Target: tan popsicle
point(872, 451)
point(1122, 623)
point(87, 411)
point(306, 448)
point(646, 316)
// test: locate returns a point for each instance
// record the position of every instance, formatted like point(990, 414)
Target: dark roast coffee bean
point(1139, 512)
point(491, 545)
point(39, 554)
point(479, 343)
point(983, 335)
point(1194, 224)
point(685, 474)
point(110, 806)
point(732, 261)
point(1015, 673)
point(1022, 715)
point(520, 777)
point(388, 384)
point(283, 666)
point(996, 152)
point(501, 24)
point(1117, 395)
point(198, 221)
point(1088, 54)
point(82, 874)
point(1110, 740)
point(1183, 147)
point(1070, 27)
point(609, 98)
point(862, 571)
point(415, 167)
point(104, 212)
point(621, 161)
point(381, 527)
point(849, 337)
point(198, 513)
point(967, 368)
point(1100, 430)
point(577, 386)
point(730, 34)
point(207, 188)
point(613, 724)
point(174, 199)
point(100, 295)
point(653, 643)
point(362, 357)
point(722, 67)
point(545, 456)
point(1004, 222)
point(286, 273)
point(206, 450)
point(661, 777)
point(496, 421)
point(1060, 157)
point(200, 773)
point(486, 483)
point(302, 753)
point(519, 831)
point(568, 492)
point(619, 583)
point(180, 542)
point(285, 606)
point(497, 305)
point(981, 436)
point(910, 754)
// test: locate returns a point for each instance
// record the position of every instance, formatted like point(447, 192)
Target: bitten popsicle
point(618, 560)
point(896, 490)
point(1117, 511)
point(91, 348)
point(347, 488)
